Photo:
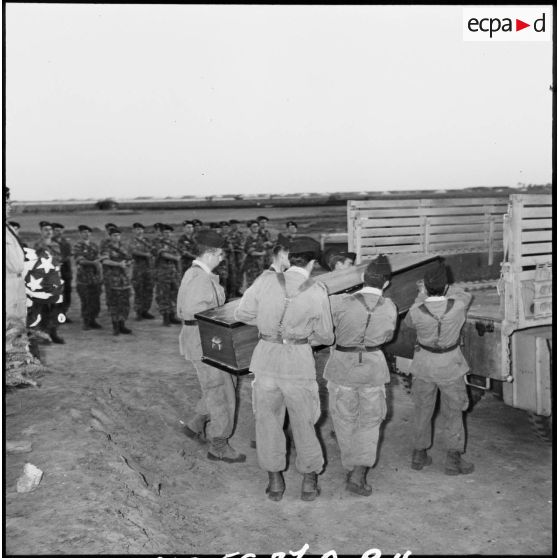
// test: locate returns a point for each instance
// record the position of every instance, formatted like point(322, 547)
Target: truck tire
point(542, 426)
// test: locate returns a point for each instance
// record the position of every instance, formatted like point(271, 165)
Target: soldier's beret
point(138, 226)
point(109, 225)
point(262, 218)
point(114, 230)
point(214, 225)
point(224, 223)
point(250, 223)
point(187, 223)
point(210, 238)
point(166, 227)
point(197, 222)
point(234, 222)
point(305, 244)
point(14, 224)
point(436, 278)
point(283, 241)
point(289, 223)
point(45, 224)
point(57, 226)
point(84, 228)
point(379, 267)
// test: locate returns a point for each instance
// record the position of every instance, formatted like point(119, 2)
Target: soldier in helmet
point(357, 371)
point(438, 315)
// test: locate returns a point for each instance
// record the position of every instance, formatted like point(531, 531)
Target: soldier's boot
point(356, 481)
point(147, 315)
point(55, 337)
point(420, 459)
point(276, 486)
point(195, 429)
point(95, 325)
point(139, 317)
point(166, 319)
point(220, 450)
point(173, 319)
point(115, 327)
point(122, 327)
point(456, 465)
point(310, 489)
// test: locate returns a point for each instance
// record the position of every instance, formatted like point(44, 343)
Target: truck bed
point(486, 305)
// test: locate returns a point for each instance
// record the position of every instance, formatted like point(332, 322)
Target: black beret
point(14, 224)
point(57, 226)
point(289, 223)
point(109, 225)
point(210, 238)
point(283, 241)
point(84, 228)
point(157, 226)
point(437, 278)
point(45, 224)
point(187, 222)
point(214, 225)
point(224, 223)
point(262, 218)
point(251, 222)
point(234, 222)
point(197, 222)
point(114, 230)
point(305, 244)
point(379, 267)
point(138, 226)
point(167, 227)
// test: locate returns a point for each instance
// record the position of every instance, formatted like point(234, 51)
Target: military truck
point(500, 249)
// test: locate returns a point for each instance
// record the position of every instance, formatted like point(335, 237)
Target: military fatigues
point(234, 250)
point(117, 282)
point(188, 251)
point(142, 274)
point(268, 245)
point(167, 278)
point(357, 398)
point(66, 271)
point(88, 279)
point(199, 291)
point(50, 310)
point(442, 371)
point(285, 373)
point(253, 265)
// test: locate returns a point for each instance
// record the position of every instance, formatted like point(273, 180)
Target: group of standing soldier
point(293, 313)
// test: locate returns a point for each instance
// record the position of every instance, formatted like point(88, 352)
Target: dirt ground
point(120, 477)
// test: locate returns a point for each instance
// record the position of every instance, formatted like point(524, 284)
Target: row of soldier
point(148, 264)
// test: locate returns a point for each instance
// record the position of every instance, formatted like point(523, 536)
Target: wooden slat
point(536, 212)
point(479, 236)
point(428, 202)
point(459, 246)
point(419, 211)
point(535, 260)
point(536, 248)
point(459, 219)
point(536, 224)
point(537, 236)
point(534, 199)
point(390, 231)
point(391, 241)
point(463, 228)
point(391, 250)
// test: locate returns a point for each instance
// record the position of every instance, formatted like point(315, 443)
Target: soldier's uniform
point(265, 235)
point(188, 249)
point(235, 259)
point(167, 278)
point(292, 313)
point(142, 274)
point(200, 290)
point(439, 364)
point(65, 268)
point(357, 372)
point(50, 311)
point(117, 284)
point(88, 280)
point(253, 264)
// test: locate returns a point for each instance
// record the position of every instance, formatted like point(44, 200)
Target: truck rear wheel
point(542, 426)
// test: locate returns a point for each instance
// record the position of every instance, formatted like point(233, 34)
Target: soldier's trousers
point(90, 296)
point(270, 398)
point(357, 414)
point(218, 400)
point(453, 401)
point(142, 281)
point(66, 274)
point(118, 302)
point(166, 291)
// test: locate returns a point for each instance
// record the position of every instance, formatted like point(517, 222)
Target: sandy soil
point(120, 477)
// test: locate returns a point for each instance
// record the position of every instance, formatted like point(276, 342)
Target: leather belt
point(190, 322)
point(282, 340)
point(438, 350)
point(361, 349)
